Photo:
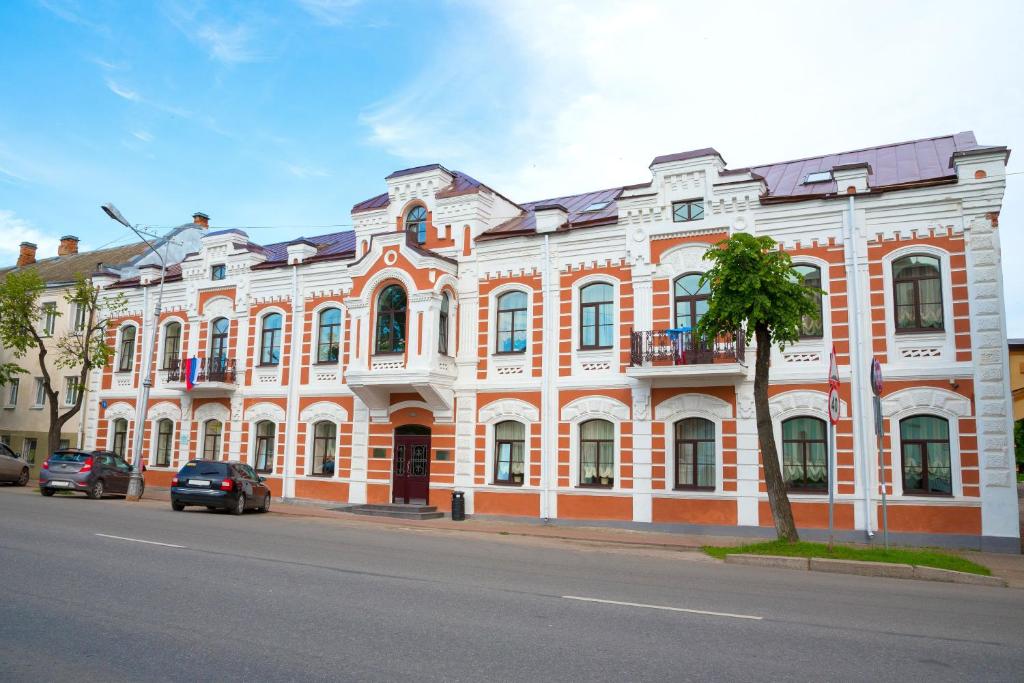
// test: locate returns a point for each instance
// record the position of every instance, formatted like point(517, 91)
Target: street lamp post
point(135, 484)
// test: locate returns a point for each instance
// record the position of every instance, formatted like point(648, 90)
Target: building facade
point(540, 358)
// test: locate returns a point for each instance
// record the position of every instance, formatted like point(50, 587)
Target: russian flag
point(191, 370)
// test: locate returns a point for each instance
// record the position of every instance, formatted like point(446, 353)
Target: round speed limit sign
point(833, 405)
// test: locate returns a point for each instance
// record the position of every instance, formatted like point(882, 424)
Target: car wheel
point(266, 504)
point(46, 492)
point(177, 507)
point(239, 507)
point(96, 490)
point(23, 479)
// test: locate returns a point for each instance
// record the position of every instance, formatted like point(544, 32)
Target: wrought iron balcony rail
point(208, 370)
point(677, 347)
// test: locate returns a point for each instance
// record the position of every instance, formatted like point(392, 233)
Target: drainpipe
point(548, 453)
point(857, 360)
point(294, 372)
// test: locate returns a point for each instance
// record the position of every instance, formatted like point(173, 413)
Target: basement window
point(818, 177)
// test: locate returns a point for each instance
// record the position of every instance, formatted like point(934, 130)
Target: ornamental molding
point(686, 258)
point(120, 410)
point(401, 405)
point(595, 406)
point(211, 411)
point(218, 307)
point(508, 408)
point(682, 405)
point(805, 401)
point(370, 288)
point(926, 399)
point(265, 411)
point(324, 411)
point(164, 410)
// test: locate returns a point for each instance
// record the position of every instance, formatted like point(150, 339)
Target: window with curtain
point(812, 327)
point(597, 320)
point(924, 446)
point(511, 323)
point(917, 287)
point(691, 300)
point(328, 335)
point(164, 442)
point(805, 454)
point(211, 439)
point(119, 442)
point(264, 456)
point(442, 327)
point(597, 453)
point(126, 353)
point(416, 224)
point(391, 309)
point(695, 454)
point(219, 344)
point(270, 340)
point(509, 451)
point(172, 345)
point(325, 439)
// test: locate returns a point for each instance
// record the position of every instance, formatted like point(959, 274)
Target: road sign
point(833, 405)
point(876, 377)
point(833, 368)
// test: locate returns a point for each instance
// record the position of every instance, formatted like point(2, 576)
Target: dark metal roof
point(683, 156)
point(418, 169)
point(461, 184)
point(574, 206)
point(331, 244)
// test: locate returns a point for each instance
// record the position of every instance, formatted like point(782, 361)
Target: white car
point(13, 469)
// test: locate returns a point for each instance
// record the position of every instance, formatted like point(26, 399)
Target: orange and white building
point(539, 357)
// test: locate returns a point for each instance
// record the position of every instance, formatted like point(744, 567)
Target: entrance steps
point(396, 510)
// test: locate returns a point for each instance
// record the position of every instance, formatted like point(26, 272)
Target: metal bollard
point(458, 506)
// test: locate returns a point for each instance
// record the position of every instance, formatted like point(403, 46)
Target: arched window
point(917, 287)
point(126, 354)
point(172, 345)
point(691, 300)
point(812, 327)
point(211, 439)
point(219, 344)
point(695, 453)
point(264, 460)
point(164, 442)
point(442, 326)
point(597, 453)
point(597, 319)
point(270, 340)
point(391, 308)
point(511, 336)
point(325, 439)
point(119, 442)
point(509, 451)
point(416, 224)
point(924, 446)
point(328, 335)
point(804, 454)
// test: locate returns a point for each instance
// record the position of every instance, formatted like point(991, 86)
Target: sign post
point(833, 419)
point(876, 388)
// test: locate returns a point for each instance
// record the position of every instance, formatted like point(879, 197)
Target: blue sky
point(286, 113)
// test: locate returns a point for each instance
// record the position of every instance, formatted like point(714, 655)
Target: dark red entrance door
point(411, 467)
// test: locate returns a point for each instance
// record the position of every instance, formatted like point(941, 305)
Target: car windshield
point(203, 469)
point(65, 456)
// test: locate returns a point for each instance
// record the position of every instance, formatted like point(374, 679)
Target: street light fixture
point(135, 484)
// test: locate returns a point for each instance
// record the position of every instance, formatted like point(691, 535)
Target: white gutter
point(292, 422)
point(548, 452)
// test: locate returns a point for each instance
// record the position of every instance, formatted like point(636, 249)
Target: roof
point(59, 269)
point(683, 156)
point(1015, 343)
point(574, 205)
point(461, 184)
point(331, 244)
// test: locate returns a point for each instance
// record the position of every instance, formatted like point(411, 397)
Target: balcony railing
point(208, 370)
point(677, 347)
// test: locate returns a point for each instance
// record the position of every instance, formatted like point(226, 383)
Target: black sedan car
point(219, 485)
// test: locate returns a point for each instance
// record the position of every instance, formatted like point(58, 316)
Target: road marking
point(139, 540)
point(663, 607)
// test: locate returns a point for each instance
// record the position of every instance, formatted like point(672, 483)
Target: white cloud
point(143, 135)
point(70, 11)
point(231, 45)
point(329, 12)
point(122, 91)
point(300, 171)
point(17, 230)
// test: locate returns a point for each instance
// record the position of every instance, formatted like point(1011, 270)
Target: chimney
point(68, 246)
point(27, 255)
point(201, 219)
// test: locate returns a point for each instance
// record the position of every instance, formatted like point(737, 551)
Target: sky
point(278, 116)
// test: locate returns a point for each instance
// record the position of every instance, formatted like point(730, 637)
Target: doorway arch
point(410, 466)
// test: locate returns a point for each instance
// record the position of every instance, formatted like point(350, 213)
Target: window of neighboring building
point(691, 300)
point(924, 446)
point(49, 318)
point(211, 439)
point(172, 345)
point(416, 224)
point(264, 460)
point(12, 392)
point(119, 442)
point(511, 322)
point(596, 316)
point(391, 308)
point(917, 285)
point(812, 327)
point(64, 443)
point(442, 326)
point(325, 439)
point(28, 450)
point(5, 439)
point(328, 335)
point(218, 272)
point(692, 210)
point(695, 453)
point(804, 454)
point(597, 453)
point(40, 393)
point(270, 340)
point(509, 452)
point(79, 312)
point(219, 344)
point(126, 353)
point(72, 390)
point(164, 442)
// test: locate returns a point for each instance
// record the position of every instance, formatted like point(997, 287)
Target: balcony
point(212, 375)
point(678, 357)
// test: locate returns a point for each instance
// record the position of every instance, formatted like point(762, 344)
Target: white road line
point(663, 607)
point(139, 540)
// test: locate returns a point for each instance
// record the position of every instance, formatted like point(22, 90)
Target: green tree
point(82, 347)
point(755, 288)
point(1018, 443)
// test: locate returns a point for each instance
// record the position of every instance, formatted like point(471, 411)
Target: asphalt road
point(276, 597)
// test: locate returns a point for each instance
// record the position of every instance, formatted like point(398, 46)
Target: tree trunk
point(785, 527)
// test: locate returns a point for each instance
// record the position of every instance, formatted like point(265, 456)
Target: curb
point(861, 568)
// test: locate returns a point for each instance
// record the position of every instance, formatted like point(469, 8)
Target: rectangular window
point(692, 210)
point(218, 272)
point(49, 318)
point(64, 444)
point(72, 390)
point(5, 439)
point(28, 450)
point(79, 313)
point(40, 393)
point(12, 396)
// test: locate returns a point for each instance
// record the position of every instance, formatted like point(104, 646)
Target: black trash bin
point(458, 506)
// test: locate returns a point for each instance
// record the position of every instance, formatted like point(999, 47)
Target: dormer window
point(692, 210)
point(218, 272)
point(818, 177)
point(596, 206)
point(416, 224)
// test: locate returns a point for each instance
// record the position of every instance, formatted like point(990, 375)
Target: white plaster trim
point(164, 409)
point(119, 410)
point(218, 307)
point(409, 404)
point(508, 409)
point(682, 260)
point(697, 405)
point(265, 411)
point(590, 407)
point(919, 400)
point(211, 411)
point(802, 402)
point(323, 411)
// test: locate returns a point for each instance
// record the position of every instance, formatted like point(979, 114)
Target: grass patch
point(924, 558)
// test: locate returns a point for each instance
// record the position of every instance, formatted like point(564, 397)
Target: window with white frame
point(40, 393)
point(917, 290)
point(79, 313)
point(28, 450)
point(812, 327)
point(49, 318)
point(597, 316)
point(512, 311)
point(328, 336)
point(509, 453)
point(597, 454)
point(12, 392)
point(72, 390)
point(270, 339)
point(126, 350)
